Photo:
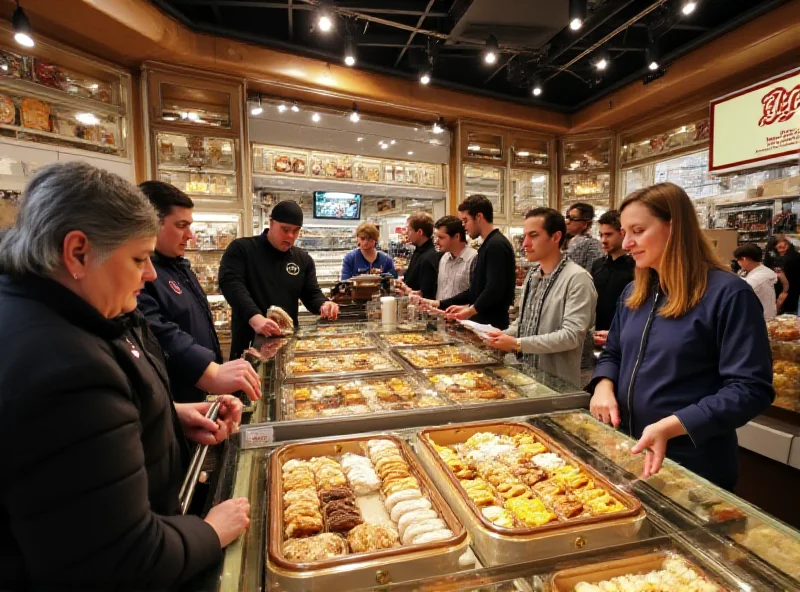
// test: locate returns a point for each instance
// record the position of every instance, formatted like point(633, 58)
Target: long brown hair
point(688, 254)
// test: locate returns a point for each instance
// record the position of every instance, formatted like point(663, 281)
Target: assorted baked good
point(518, 482)
point(474, 386)
point(337, 363)
point(337, 343)
point(784, 328)
point(281, 318)
point(409, 339)
point(443, 356)
point(354, 397)
point(676, 574)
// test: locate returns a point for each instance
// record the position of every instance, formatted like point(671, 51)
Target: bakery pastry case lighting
point(586, 173)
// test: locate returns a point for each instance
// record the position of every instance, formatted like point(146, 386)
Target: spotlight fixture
point(577, 13)
point(325, 16)
point(411, 153)
point(688, 7)
point(384, 146)
point(295, 107)
point(316, 118)
point(425, 76)
point(536, 86)
point(350, 51)
point(491, 51)
point(23, 34)
point(393, 142)
point(438, 127)
point(359, 139)
point(258, 109)
point(354, 116)
point(282, 108)
point(602, 60)
point(651, 55)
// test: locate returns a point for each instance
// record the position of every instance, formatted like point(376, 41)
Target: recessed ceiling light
point(316, 118)
point(282, 108)
point(384, 146)
point(295, 108)
point(359, 139)
point(393, 142)
point(410, 152)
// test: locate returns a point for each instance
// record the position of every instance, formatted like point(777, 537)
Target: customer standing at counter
point(761, 278)
point(176, 309)
point(91, 501)
point(687, 359)
point(611, 273)
point(788, 264)
point(456, 262)
point(367, 258)
point(582, 248)
point(423, 268)
point(257, 272)
point(493, 279)
point(558, 302)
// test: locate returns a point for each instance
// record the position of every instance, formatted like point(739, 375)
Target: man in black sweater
point(611, 273)
point(493, 275)
point(422, 274)
point(268, 270)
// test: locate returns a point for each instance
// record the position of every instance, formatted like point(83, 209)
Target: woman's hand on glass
point(603, 405)
point(654, 443)
point(229, 519)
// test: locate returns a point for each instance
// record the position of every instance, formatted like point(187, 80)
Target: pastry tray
point(389, 366)
point(333, 343)
point(522, 382)
point(334, 405)
point(566, 580)
point(395, 340)
point(497, 545)
point(478, 358)
point(358, 570)
point(509, 392)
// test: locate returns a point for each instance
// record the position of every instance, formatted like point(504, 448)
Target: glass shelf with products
point(592, 188)
point(586, 155)
point(681, 138)
point(529, 189)
point(43, 102)
point(199, 165)
point(296, 162)
point(213, 231)
point(221, 312)
point(488, 181)
point(528, 151)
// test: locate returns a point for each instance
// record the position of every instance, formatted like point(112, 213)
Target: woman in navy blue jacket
point(687, 359)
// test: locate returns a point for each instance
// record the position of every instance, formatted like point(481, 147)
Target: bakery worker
point(268, 270)
point(177, 312)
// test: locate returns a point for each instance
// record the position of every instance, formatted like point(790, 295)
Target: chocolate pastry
point(342, 505)
point(343, 521)
point(567, 506)
point(335, 493)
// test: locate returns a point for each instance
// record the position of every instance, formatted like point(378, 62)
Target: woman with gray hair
point(89, 495)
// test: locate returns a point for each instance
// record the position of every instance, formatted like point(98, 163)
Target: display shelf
point(36, 90)
point(486, 180)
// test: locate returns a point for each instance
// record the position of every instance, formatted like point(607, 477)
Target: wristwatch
point(518, 347)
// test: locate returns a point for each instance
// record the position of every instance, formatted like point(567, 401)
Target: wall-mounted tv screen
point(334, 205)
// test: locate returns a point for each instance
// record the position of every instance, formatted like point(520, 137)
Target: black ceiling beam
point(678, 27)
point(309, 7)
point(414, 33)
point(217, 13)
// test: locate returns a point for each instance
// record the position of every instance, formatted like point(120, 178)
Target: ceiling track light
point(688, 7)
point(425, 76)
point(325, 16)
point(354, 116)
point(23, 33)
point(492, 50)
point(439, 126)
point(651, 55)
point(350, 56)
point(295, 107)
point(577, 13)
point(602, 60)
point(258, 109)
point(536, 86)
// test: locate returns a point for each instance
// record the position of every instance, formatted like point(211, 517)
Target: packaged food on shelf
point(523, 494)
point(13, 65)
point(8, 111)
point(35, 114)
point(335, 512)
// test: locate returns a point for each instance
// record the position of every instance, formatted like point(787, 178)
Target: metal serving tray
point(334, 343)
point(496, 545)
point(379, 363)
point(436, 356)
point(349, 572)
point(416, 339)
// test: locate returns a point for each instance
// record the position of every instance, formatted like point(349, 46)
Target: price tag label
point(256, 437)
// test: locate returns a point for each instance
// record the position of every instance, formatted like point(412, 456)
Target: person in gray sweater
point(558, 302)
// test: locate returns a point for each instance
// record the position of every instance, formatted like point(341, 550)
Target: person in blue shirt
point(367, 258)
point(687, 360)
point(177, 311)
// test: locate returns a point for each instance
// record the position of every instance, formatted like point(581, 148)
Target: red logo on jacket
point(174, 285)
point(779, 105)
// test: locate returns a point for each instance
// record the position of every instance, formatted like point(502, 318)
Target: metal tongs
point(193, 475)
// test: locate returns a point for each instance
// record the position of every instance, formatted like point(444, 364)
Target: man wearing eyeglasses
point(582, 248)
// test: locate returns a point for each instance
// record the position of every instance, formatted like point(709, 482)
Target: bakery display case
point(686, 499)
point(784, 340)
point(528, 190)
point(52, 97)
point(488, 181)
point(203, 167)
point(586, 167)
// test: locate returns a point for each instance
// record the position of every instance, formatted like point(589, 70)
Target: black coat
point(423, 270)
point(92, 469)
point(177, 312)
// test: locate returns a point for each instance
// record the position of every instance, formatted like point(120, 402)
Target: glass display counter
point(784, 340)
point(745, 552)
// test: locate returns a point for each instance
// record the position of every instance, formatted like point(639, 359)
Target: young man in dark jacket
point(493, 277)
point(176, 308)
point(268, 270)
point(422, 275)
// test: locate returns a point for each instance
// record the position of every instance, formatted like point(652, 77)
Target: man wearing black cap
point(268, 270)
